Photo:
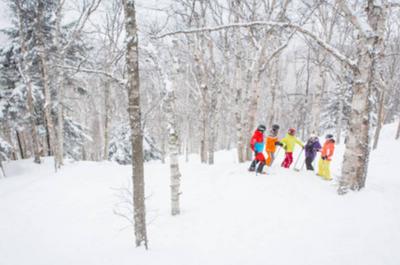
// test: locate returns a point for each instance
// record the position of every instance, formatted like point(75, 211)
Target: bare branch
point(121, 82)
point(333, 51)
point(362, 26)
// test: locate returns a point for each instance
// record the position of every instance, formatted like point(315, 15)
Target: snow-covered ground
point(229, 216)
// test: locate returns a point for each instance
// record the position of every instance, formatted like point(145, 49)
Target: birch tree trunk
point(134, 110)
point(107, 107)
point(46, 83)
point(356, 156)
point(317, 99)
point(24, 71)
point(173, 142)
point(60, 58)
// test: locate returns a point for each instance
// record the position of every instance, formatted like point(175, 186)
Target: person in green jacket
point(288, 142)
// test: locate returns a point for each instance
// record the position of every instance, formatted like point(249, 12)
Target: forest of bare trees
point(111, 80)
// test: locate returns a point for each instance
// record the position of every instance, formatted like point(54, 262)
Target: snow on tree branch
point(357, 21)
point(332, 50)
point(121, 82)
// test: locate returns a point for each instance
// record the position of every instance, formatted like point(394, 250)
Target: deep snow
point(229, 216)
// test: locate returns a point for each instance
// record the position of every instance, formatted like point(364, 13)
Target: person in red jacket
point(326, 157)
point(257, 145)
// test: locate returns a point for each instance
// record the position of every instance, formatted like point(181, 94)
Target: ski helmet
point(292, 131)
point(275, 127)
point(261, 128)
point(329, 136)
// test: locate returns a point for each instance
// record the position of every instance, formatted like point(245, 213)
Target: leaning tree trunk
point(133, 86)
point(24, 71)
point(46, 83)
point(356, 156)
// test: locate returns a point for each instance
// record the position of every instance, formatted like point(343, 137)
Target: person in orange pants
point(270, 144)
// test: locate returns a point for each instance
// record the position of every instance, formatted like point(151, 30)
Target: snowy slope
point(230, 216)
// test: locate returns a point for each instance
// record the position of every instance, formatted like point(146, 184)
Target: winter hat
point(292, 131)
point(275, 127)
point(313, 137)
point(261, 128)
point(329, 137)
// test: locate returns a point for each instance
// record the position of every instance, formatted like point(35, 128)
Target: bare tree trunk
point(398, 132)
point(46, 83)
point(132, 64)
point(7, 134)
point(317, 98)
point(20, 147)
point(380, 120)
point(23, 68)
point(107, 107)
point(339, 119)
point(356, 156)
point(274, 73)
point(173, 142)
point(203, 141)
point(1, 167)
point(61, 87)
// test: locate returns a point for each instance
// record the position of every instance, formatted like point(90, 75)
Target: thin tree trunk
point(23, 68)
point(317, 98)
point(61, 87)
point(7, 134)
point(20, 147)
point(380, 119)
point(398, 131)
point(173, 141)
point(203, 141)
point(1, 167)
point(107, 106)
point(274, 73)
point(132, 64)
point(46, 82)
point(339, 119)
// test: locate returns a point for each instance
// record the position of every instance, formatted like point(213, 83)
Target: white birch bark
point(356, 156)
point(173, 142)
point(61, 86)
point(134, 110)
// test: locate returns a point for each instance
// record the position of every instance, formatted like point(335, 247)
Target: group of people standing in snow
point(288, 143)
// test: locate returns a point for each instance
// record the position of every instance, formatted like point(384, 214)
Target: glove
point(279, 143)
point(324, 158)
